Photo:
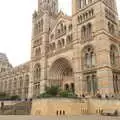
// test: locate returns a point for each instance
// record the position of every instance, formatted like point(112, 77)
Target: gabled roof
point(61, 17)
point(61, 14)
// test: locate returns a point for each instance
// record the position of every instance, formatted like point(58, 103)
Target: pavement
point(83, 117)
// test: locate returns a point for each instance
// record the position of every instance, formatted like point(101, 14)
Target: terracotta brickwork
point(78, 52)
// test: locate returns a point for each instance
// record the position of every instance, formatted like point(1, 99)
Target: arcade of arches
point(61, 72)
point(89, 77)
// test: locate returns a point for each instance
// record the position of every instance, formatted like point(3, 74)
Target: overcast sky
point(15, 27)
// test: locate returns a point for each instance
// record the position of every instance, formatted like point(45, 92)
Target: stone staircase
point(21, 108)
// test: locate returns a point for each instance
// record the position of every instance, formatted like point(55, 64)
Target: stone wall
point(59, 106)
point(96, 105)
point(55, 106)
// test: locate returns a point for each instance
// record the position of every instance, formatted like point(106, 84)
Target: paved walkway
point(90, 117)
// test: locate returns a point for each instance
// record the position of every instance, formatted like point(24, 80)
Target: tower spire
point(50, 5)
point(80, 4)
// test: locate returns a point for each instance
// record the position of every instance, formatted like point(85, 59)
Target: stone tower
point(4, 63)
point(95, 34)
point(42, 19)
point(49, 5)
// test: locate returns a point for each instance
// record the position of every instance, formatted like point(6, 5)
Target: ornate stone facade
point(79, 52)
point(15, 81)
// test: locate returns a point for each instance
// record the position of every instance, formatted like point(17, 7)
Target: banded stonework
point(79, 52)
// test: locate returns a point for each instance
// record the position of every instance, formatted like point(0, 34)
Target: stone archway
point(61, 73)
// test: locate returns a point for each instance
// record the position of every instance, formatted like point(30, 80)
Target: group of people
point(99, 96)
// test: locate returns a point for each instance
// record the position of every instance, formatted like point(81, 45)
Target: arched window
point(37, 72)
point(59, 45)
point(20, 82)
point(52, 37)
point(86, 32)
point(114, 56)
point(37, 51)
point(111, 28)
point(91, 83)
point(80, 18)
point(65, 28)
point(94, 84)
point(116, 82)
point(83, 3)
point(15, 83)
point(88, 84)
point(83, 33)
point(63, 42)
point(62, 27)
point(89, 31)
point(35, 29)
point(88, 57)
point(66, 87)
point(41, 25)
point(68, 40)
point(86, 15)
point(92, 12)
point(53, 46)
point(70, 27)
point(72, 87)
point(26, 80)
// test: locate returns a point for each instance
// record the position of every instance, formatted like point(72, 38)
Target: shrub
point(64, 94)
point(53, 91)
point(44, 95)
point(4, 96)
point(15, 97)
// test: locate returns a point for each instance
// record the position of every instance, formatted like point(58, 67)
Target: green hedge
point(55, 91)
point(4, 96)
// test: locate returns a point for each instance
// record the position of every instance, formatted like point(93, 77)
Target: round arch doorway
point(61, 74)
